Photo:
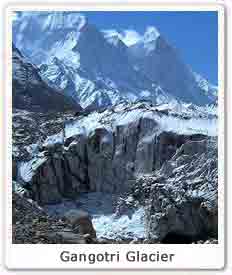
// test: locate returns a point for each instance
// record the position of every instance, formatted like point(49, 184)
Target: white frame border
point(46, 256)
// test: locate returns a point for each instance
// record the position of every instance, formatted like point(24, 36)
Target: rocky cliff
point(31, 92)
point(134, 150)
point(181, 202)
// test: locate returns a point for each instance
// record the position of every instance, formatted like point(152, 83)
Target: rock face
point(106, 156)
point(101, 162)
point(31, 92)
point(14, 169)
point(182, 198)
point(132, 150)
point(31, 128)
point(153, 57)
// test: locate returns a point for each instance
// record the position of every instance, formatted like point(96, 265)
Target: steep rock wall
point(104, 160)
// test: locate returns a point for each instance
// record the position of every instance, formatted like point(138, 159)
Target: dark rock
point(31, 92)
point(14, 169)
point(80, 222)
point(184, 208)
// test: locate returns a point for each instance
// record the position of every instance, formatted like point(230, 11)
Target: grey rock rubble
point(30, 224)
point(182, 199)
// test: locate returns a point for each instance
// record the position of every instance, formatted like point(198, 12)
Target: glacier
point(139, 105)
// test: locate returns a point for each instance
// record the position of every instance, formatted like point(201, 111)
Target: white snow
point(151, 34)
point(26, 169)
point(60, 33)
point(145, 93)
point(190, 126)
point(113, 227)
point(128, 36)
point(54, 139)
point(54, 20)
point(83, 126)
point(125, 115)
point(131, 36)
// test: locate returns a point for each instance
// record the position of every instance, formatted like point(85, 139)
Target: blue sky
point(194, 34)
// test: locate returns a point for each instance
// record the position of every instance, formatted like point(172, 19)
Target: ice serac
point(105, 151)
point(31, 92)
point(162, 64)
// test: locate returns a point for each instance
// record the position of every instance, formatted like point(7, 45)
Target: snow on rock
point(182, 201)
point(31, 92)
point(193, 121)
point(98, 69)
point(104, 151)
point(99, 157)
point(26, 170)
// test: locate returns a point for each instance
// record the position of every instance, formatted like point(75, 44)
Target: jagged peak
point(151, 34)
point(113, 37)
point(131, 37)
point(51, 21)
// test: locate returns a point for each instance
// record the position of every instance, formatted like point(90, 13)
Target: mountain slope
point(30, 92)
point(86, 56)
point(161, 63)
point(98, 69)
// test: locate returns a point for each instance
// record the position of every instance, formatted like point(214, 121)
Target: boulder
point(80, 222)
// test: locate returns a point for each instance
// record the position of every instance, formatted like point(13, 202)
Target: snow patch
point(123, 227)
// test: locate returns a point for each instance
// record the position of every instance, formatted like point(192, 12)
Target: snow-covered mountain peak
point(52, 21)
point(148, 43)
point(210, 90)
point(130, 37)
point(151, 34)
point(103, 66)
point(112, 36)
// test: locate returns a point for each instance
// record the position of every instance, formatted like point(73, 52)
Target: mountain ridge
point(98, 58)
point(30, 92)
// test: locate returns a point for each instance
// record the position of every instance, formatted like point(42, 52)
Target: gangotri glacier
point(114, 141)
